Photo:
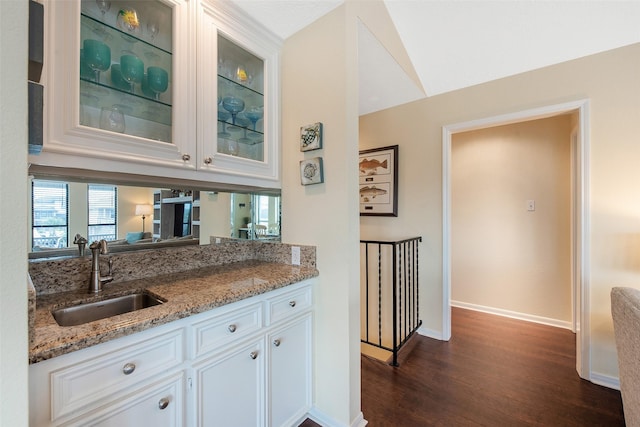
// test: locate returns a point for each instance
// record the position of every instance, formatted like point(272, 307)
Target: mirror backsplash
point(65, 214)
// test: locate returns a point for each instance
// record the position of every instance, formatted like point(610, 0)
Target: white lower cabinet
point(248, 363)
point(289, 376)
point(229, 387)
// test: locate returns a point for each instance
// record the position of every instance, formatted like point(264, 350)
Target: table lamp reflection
point(144, 210)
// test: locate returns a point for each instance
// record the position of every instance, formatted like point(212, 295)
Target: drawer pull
point(292, 303)
point(232, 328)
point(276, 342)
point(253, 355)
point(163, 403)
point(129, 368)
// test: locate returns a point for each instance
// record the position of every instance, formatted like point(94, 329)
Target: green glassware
point(97, 56)
point(132, 69)
point(158, 80)
point(116, 78)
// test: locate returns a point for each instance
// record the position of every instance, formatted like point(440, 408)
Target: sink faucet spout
point(96, 280)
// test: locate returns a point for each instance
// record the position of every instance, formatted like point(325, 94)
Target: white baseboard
point(324, 420)
point(605, 380)
point(431, 333)
point(514, 315)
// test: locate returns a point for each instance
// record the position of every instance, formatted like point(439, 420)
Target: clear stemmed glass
point(112, 118)
point(223, 116)
point(128, 21)
point(233, 105)
point(104, 6)
point(153, 28)
point(97, 56)
point(132, 69)
point(244, 122)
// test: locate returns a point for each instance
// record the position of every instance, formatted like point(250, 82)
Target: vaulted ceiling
point(457, 44)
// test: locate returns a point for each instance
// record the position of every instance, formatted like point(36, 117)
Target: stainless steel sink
point(85, 313)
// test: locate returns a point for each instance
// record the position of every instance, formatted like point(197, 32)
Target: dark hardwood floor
point(494, 371)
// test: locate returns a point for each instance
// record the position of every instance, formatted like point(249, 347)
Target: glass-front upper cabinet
point(126, 67)
point(187, 89)
point(238, 94)
point(120, 81)
point(240, 101)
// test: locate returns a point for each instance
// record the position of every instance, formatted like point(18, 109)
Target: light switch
point(531, 205)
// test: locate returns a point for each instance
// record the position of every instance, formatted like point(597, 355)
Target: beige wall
point(502, 255)
point(215, 215)
point(13, 213)
point(609, 80)
point(319, 83)
point(128, 198)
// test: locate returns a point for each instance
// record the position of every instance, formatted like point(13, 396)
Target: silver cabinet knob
point(292, 303)
point(129, 368)
point(208, 160)
point(163, 403)
point(186, 157)
point(253, 355)
point(276, 342)
point(232, 328)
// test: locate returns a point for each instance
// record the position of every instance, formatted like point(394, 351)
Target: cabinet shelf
point(95, 96)
point(124, 40)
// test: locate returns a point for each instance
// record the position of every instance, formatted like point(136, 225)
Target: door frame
point(580, 217)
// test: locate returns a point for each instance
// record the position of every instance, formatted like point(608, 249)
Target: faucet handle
point(103, 247)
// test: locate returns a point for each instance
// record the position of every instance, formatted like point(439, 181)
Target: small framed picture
point(311, 137)
point(378, 168)
point(311, 171)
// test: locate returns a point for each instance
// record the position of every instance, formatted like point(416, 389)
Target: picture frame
point(378, 186)
point(311, 137)
point(311, 171)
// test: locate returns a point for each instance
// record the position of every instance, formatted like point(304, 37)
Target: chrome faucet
point(96, 281)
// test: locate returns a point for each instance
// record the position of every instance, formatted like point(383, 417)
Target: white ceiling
point(456, 44)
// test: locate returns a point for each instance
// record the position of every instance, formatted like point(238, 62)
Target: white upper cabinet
point(141, 87)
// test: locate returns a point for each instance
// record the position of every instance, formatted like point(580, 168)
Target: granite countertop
point(186, 293)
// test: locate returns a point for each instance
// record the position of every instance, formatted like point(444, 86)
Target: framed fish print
point(378, 170)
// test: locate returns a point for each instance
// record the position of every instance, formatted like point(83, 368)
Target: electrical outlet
point(295, 255)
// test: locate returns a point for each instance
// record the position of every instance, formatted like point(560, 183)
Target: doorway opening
point(580, 215)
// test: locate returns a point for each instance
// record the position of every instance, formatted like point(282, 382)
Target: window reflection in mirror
point(130, 217)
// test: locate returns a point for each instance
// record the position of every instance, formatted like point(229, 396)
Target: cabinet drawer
point(91, 381)
point(210, 334)
point(289, 304)
point(158, 405)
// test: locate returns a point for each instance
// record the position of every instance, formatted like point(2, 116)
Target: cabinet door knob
point(163, 403)
point(129, 368)
point(186, 157)
point(292, 303)
point(208, 160)
point(253, 355)
point(276, 342)
point(232, 328)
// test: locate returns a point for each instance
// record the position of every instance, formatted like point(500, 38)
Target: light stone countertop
point(186, 293)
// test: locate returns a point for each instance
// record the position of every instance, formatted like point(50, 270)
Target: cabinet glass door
point(240, 102)
point(126, 67)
